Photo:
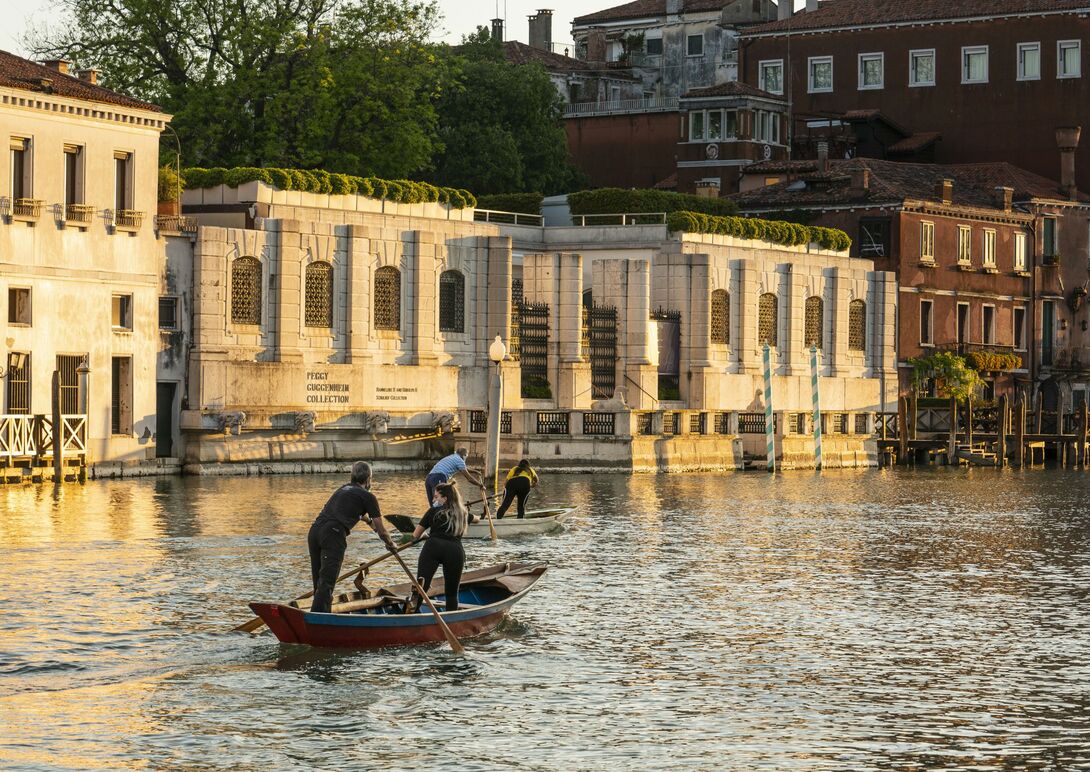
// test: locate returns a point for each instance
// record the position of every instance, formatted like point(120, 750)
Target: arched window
point(318, 311)
point(857, 326)
point(720, 322)
point(452, 301)
point(246, 290)
point(815, 317)
point(387, 299)
point(767, 318)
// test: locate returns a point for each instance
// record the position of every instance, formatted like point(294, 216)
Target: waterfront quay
point(894, 618)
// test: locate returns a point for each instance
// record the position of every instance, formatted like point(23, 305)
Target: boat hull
point(376, 630)
point(537, 521)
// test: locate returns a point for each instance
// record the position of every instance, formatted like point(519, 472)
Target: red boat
point(364, 620)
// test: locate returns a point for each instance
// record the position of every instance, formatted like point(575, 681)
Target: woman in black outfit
point(446, 520)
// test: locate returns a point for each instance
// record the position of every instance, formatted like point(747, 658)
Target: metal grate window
point(797, 423)
point(534, 350)
point(67, 366)
point(387, 298)
point(18, 383)
point(697, 423)
point(505, 422)
point(318, 311)
point(599, 423)
point(478, 422)
point(514, 350)
point(644, 423)
point(835, 423)
point(600, 339)
point(767, 319)
point(246, 290)
point(452, 301)
point(168, 313)
point(722, 423)
point(671, 423)
point(720, 322)
point(552, 423)
point(751, 423)
point(815, 316)
point(862, 423)
point(857, 326)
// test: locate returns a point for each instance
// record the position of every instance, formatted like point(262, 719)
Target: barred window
point(319, 295)
point(815, 316)
point(857, 326)
point(388, 299)
point(246, 290)
point(767, 318)
point(720, 321)
point(452, 301)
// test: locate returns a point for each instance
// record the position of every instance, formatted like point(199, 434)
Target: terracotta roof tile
point(16, 72)
point(836, 14)
point(646, 8)
point(914, 143)
point(521, 53)
point(893, 182)
point(732, 88)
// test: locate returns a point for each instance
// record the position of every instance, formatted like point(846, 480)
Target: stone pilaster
point(358, 260)
point(573, 366)
point(797, 356)
point(747, 300)
point(287, 292)
point(497, 295)
point(421, 294)
point(840, 294)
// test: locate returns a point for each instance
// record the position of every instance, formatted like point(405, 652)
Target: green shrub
point(535, 387)
point(777, 232)
point(522, 203)
point(170, 183)
point(989, 361)
point(621, 201)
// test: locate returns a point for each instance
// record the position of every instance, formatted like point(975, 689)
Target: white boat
point(536, 521)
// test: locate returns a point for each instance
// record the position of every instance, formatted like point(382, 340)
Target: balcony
point(175, 224)
point(621, 106)
point(79, 214)
point(26, 209)
point(128, 220)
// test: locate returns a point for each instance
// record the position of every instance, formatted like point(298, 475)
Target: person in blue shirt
point(446, 468)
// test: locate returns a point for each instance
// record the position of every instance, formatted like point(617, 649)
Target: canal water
point(933, 619)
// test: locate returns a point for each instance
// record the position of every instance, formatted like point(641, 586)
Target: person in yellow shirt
point(520, 480)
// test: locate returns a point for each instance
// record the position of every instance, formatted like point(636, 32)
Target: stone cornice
point(82, 109)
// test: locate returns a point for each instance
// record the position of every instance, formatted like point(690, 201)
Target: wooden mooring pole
point(1081, 450)
point(902, 430)
point(1002, 426)
point(952, 445)
point(1020, 433)
point(58, 430)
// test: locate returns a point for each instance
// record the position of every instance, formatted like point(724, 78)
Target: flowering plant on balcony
point(990, 361)
point(952, 375)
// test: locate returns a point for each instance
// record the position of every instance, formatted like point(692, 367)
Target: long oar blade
point(403, 523)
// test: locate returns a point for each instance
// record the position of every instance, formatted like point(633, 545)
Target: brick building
point(988, 256)
point(971, 81)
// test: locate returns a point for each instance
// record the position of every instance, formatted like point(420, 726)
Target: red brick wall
point(626, 151)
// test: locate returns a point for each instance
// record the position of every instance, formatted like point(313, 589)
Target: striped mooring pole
point(770, 420)
point(817, 405)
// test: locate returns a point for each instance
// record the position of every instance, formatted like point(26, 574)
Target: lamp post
point(497, 352)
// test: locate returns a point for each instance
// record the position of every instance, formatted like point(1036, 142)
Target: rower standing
point(328, 537)
point(446, 521)
point(445, 469)
point(520, 479)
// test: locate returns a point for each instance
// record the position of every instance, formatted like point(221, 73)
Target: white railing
point(653, 104)
point(636, 218)
point(31, 436)
point(17, 436)
point(507, 218)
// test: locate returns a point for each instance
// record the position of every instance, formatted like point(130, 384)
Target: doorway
point(164, 418)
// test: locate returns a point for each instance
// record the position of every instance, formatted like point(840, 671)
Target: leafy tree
point(952, 376)
point(500, 124)
point(345, 85)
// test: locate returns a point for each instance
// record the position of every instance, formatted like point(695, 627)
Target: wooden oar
point(452, 639)
point(488, 512)
point(257, 623)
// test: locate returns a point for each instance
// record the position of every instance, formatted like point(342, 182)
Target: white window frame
point(1021, 70)
point(967, 51)
point(987, 336)
point(703, 126)
point(767, 125)
point(1060, 74)
point(1014, 328)
point(810, 62)
point(703, 43)
point(930, 341)
point(761, 69)
point(968, 323)
point(881, 57)
point(708, 124)
point(912, 55)
point(987, 258)
point(1020, 253)
point(965, 239)
point(927, 241)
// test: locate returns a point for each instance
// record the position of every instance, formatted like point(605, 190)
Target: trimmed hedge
point(776, 231)
point(522, 203)
point(319, 181)
point(989, 362)
point(622, 200)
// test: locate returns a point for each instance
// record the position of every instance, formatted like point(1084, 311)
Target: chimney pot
point(541, 30)
point(60, 65)
point(1004, 198)
point(707, 188)
point(785, 9)
point(497, 30)
point(88, 76)
point(861, 178)
point(944, 190)
point(1067, 139)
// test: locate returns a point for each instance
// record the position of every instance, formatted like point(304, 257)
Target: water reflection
point(848, 620)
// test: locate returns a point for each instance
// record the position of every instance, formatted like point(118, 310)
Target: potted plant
point(170, 191)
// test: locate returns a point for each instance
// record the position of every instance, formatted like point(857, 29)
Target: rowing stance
point(446, 521)
point(445, 469)
point(520, 480)
point(328, 537)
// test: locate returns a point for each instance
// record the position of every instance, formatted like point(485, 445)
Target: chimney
point(60, 65)
point(944, 190)
point(497, 30)
point(88, 76)
point(823, 156)
point(811, 6)
point(1067, 139)
point(1003, 198)
point(596, 46)
point(541, 30)
point(785, 9)
point(707, 188)
point(673, 7)
point(861, 178)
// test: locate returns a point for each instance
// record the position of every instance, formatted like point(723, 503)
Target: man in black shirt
point(328, 537)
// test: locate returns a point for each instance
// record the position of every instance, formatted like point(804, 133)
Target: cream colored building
point(80, 260)
point(328, 328)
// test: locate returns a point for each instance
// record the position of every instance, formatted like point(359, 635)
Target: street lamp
point(16, 361)
point(497, 352)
